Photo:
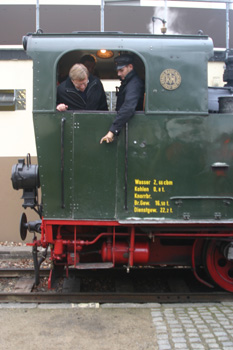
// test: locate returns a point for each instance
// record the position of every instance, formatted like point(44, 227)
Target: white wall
point(215, 73)
point(16, 127)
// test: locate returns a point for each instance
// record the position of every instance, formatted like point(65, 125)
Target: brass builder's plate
point(170, 79)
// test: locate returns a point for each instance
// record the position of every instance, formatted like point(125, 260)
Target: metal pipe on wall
point(102, 16)
point(227, 28)
point(37, 15)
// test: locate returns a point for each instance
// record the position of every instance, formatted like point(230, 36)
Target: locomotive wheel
point(219, 268)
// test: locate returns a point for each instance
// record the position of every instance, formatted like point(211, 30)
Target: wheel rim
point(219, 268)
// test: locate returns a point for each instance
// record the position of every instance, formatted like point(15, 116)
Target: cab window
point(101, 65)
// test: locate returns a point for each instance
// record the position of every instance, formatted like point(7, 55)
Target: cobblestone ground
point(194, 326)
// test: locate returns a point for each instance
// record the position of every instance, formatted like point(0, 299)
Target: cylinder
point(121, 250)
point(58, 247)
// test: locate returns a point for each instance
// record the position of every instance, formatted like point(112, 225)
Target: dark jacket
point(95, 95)
point(129, 99)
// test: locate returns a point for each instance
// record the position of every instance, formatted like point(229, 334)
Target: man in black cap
point(129, 96)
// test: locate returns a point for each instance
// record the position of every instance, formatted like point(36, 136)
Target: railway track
point(113, 298)
point(17, 285)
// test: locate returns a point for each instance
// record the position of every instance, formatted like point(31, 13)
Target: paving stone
point(196, 326)
point(178, 340)
point(228, 344)
point(165, 347)
point(215, 346)
point(197, 346)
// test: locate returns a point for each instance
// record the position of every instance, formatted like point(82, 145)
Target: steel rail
point(18, 272)
point(54, 298)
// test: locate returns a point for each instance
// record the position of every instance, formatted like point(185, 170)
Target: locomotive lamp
point(26, 177)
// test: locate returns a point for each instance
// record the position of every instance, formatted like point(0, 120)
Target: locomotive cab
point(162, 192)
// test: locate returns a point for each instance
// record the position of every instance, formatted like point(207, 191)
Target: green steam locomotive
point(161, 194)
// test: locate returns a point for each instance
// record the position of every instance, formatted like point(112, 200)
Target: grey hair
point(78, 72)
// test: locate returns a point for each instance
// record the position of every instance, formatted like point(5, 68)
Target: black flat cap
point(123, 60)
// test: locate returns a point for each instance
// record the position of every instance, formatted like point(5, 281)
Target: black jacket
point(129, 99)
point(95, 95)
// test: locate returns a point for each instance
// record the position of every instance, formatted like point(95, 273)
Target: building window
point(12, 100)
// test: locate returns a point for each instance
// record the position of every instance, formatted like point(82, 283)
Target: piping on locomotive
point(161, 194)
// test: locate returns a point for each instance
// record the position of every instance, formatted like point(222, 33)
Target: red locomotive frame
point(68, 239)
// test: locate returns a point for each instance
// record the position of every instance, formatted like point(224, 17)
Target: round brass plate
point(170, 79)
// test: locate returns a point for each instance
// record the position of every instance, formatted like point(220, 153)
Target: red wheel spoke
point(219, 268)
